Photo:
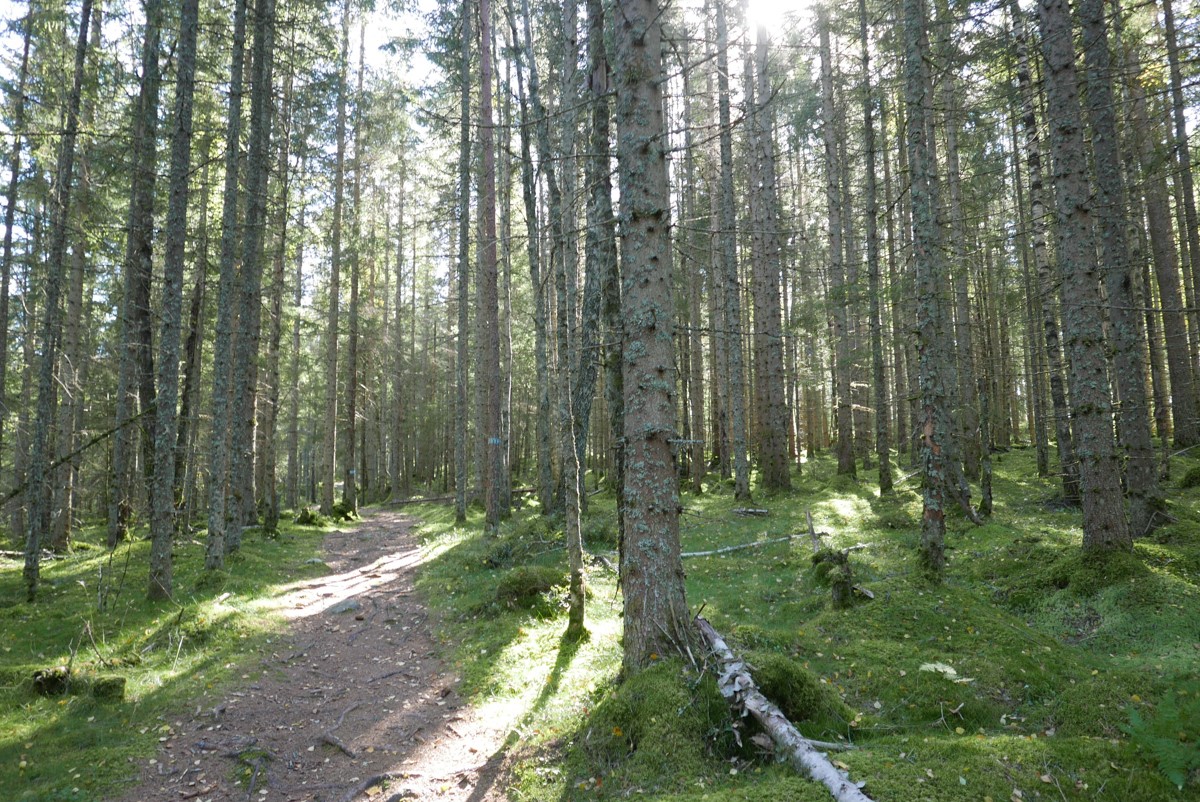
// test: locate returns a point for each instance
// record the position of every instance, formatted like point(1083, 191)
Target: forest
point(778, 400)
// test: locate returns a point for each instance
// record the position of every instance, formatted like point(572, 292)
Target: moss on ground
point(147, 658)
point(1035, 659)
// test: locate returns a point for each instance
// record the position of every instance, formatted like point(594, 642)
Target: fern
point(1172, 735)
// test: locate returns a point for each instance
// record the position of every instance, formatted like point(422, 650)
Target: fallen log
point(738, 688)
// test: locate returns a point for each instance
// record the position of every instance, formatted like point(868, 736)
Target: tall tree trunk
point(329, 449)
point(489, 312)
point(162, 491)
point(10, 212)
point(934, 363)
point(565, 280)
point(695, 350)
point(350, 480)
point(1104, 523)
point(600, 244)
point(657, 620)
point(899, 369)
point(40, 450)
point(265, 467)
point(135, 311)
point(245, 364)
point(870, 211)
point(729, 271)
point(1133, 422)
point(72, 367)
point(772, 412)
point(1190, 229)
point(968, 416)
point(1165, 257)
point(1068, 466)
point(293, 437)
point(222, 406)
point(464, 268)
point(545, 479)
point(837, 279)
point(189, 397)
point(398, 456)
point(554, 200)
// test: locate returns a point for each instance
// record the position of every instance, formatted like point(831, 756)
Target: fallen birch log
point(737, 686)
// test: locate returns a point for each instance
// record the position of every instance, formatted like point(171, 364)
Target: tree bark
point(934, 363)
point(655, 606)
point(1064, 441)
point(772, 410)
point(249, 334)
point(162, 492)
point(222, 402)
point(40, 450)
point(1133, 422)
point(135, 311)
point(1104, 523)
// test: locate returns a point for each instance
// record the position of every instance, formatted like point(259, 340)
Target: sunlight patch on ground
point(311, 596)
point(846, 509)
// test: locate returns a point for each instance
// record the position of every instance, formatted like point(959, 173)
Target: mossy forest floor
point(1029, 673)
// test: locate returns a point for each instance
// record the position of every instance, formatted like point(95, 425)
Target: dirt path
point(355, 690)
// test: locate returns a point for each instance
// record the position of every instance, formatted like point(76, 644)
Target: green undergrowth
point(1030, 672)
point(92, 617)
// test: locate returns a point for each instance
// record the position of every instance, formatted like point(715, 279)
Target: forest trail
point(353, 690)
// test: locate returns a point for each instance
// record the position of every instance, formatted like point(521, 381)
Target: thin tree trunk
point(874, 289)
point(729, 266)
point(1190, 229)
point(40, 451)
point(350, 480)
point(162, 492)
point(222, 406)
point(266, 483)
point(293, 437)
point(464, 266)
point(837, 278)
point(135, 313)
point(10, 211)
point(1068, 466)
point(245, 364)
point(489, 313)
point(328, 467)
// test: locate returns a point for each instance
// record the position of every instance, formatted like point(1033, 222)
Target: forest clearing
point(531, 400)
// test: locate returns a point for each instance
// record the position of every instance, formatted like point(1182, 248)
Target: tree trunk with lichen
point(1104, 523)
point(1133, 423)
point(657, 620)
point(930, 269)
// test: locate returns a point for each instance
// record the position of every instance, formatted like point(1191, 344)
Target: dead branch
point(374, 779)
point(737, 686)
point(333, 740)
point(739, 547)
point(752, 512)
